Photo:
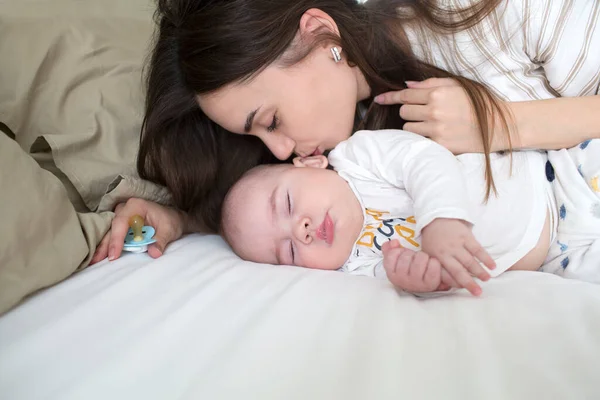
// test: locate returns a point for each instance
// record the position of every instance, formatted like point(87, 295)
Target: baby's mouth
point(326, 230)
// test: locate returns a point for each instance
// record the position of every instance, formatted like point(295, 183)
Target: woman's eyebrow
point(250, 120)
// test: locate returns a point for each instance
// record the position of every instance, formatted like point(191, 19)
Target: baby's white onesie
point(404, 181)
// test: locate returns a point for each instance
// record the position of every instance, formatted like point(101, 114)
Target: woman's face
point(305, 109)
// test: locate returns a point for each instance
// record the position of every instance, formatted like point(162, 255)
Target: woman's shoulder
point(506, 50)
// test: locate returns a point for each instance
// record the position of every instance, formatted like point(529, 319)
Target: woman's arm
point(555, 123)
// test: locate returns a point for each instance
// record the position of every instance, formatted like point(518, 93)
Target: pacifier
point(139, 236)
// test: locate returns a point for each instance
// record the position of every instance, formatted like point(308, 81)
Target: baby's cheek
point(330, 258)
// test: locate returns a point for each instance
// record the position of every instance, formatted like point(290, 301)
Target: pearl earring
point(337, 57)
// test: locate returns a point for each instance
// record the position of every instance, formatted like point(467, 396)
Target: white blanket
point(198, 323)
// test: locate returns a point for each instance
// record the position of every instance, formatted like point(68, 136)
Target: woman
point(295, 73)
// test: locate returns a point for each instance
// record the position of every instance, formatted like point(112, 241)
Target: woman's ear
point(314, 19)
point(311, 162)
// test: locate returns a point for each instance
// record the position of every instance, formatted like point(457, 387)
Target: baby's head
point(301, 214)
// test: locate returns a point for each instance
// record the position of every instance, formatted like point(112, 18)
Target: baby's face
point(283, 214)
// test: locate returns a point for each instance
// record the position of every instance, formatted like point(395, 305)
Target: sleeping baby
point(400, 206)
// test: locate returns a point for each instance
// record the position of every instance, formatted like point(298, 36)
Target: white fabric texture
point(575, 177)
point(199, 323)
point(404, 181)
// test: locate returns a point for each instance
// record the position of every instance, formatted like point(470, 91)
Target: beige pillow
point(70, 76)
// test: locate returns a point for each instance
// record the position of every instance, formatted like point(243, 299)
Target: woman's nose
point(280, 145)
point(304, 231)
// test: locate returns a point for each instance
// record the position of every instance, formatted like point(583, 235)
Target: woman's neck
point(364, 90)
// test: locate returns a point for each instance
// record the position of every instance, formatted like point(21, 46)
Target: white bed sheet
point(200, 324)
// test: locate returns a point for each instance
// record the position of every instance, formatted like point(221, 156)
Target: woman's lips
point(325, 231)
point(317, 152)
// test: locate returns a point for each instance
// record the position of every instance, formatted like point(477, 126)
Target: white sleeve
point(563, 38)
point(430, 174)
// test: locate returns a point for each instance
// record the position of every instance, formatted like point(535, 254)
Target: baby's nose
point(304, 232)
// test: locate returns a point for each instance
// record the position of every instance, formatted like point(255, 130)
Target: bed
point(198, 323)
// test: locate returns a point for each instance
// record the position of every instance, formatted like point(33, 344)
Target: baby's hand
point(451, 241)
point(412, 271)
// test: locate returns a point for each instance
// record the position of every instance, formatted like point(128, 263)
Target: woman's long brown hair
point(203, 45)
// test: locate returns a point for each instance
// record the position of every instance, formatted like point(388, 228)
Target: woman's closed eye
point(274, 124)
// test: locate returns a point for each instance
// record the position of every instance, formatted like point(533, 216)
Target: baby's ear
point(319, 161)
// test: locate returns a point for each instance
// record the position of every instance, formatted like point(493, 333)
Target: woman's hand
point(168, 223)
point(439, 109)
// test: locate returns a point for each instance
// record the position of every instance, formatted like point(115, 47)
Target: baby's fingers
point(433, 274)
point(391, 244)
point(397, 264)
point(418, 265)
point(447, 279)
point(479, 252)
point(390, 259)
point(472, 265)
point(461, 276)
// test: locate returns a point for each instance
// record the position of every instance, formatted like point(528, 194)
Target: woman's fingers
point(120, 225)
point(119, 228)
point(102, 250)
point(410, 112)
point(119, 207)
point(416, 92)
point(431, 83)
point(389, 98)
point(157, 248)
point(420, 128)
point(406, 96)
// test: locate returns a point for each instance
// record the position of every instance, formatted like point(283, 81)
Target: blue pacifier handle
point(147, 238)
